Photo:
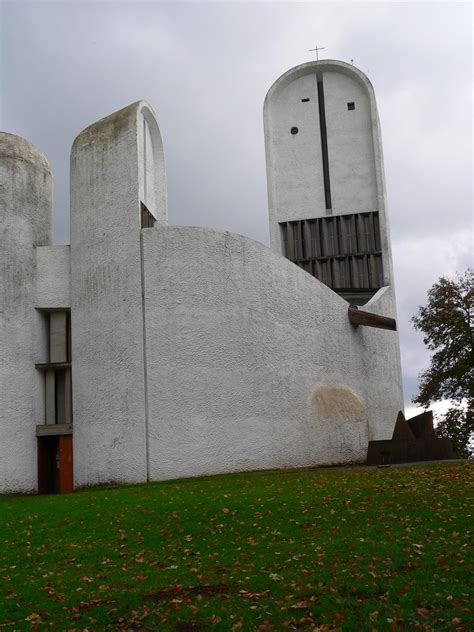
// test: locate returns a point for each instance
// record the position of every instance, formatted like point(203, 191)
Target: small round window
point(294, 130)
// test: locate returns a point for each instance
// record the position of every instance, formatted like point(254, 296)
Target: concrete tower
point(25, 224)
point(325, 177)
point(118, 187)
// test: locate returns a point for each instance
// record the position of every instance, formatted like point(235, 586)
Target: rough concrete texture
point(244, 351)
point(294, 161)
point(110, 169)
point(53, 277)
point(26, 221)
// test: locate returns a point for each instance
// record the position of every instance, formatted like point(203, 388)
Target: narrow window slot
point(324, 145)
point(147, 219)
point(304, 100)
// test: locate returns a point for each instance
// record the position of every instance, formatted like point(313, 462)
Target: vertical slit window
point(68, 336)
point(147, 219)
point(324, 144)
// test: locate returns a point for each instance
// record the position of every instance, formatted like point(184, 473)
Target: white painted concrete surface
point(246, 355)
point(53, 277)
point(107, 179)
point(26, 222)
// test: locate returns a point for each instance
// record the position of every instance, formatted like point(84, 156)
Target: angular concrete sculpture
point(412, 440)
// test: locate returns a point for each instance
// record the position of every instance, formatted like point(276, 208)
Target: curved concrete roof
point(18, 148)
point(323, 65)
point(111, 126)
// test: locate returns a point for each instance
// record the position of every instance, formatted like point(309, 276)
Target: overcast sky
point(205, 68)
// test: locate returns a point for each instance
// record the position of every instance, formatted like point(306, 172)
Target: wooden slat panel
point(339, 247)
point(291, 252)
point(324, 238)
point(378, 259)
point(314, 238)
point(375, 219)
point(336, 273)
point(354, 233)
point(307, 238)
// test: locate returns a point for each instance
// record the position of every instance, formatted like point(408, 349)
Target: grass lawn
point(385, 549)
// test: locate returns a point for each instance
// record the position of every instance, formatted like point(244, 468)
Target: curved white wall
point(247, 353)
point(26, 221)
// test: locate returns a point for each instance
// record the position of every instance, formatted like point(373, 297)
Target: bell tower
point(326, 188)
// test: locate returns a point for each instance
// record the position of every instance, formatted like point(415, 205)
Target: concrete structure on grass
point(145, 351)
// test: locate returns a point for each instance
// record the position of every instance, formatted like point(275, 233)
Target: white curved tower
point(325, 176)
point(25, 223)
point(118, 187)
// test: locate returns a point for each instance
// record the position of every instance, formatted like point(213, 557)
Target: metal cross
point(315, 50)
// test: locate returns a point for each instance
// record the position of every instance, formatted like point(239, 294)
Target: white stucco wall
point(26, 221)
point(350, 137)
point(53, 277)
point(296, 189)
point(252, 363)
point(152, 188)
point(108, 169)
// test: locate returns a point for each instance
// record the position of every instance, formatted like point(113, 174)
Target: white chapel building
point(146, 351)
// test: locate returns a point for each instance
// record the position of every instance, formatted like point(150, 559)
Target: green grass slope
point(384, 549)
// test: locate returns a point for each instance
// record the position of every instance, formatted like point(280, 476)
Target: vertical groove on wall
point(324, 143)
point(144, 162)
point(145, 365)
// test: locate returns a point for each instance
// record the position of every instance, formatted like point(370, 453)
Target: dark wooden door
point(48, 465)
point(66, 479)
point(55, 465)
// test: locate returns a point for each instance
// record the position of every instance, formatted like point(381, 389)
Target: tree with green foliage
point(447, 324)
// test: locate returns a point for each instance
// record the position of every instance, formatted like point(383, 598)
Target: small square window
point(351, 106)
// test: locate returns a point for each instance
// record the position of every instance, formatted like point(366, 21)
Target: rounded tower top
point(322, 65)
point(18, 148)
